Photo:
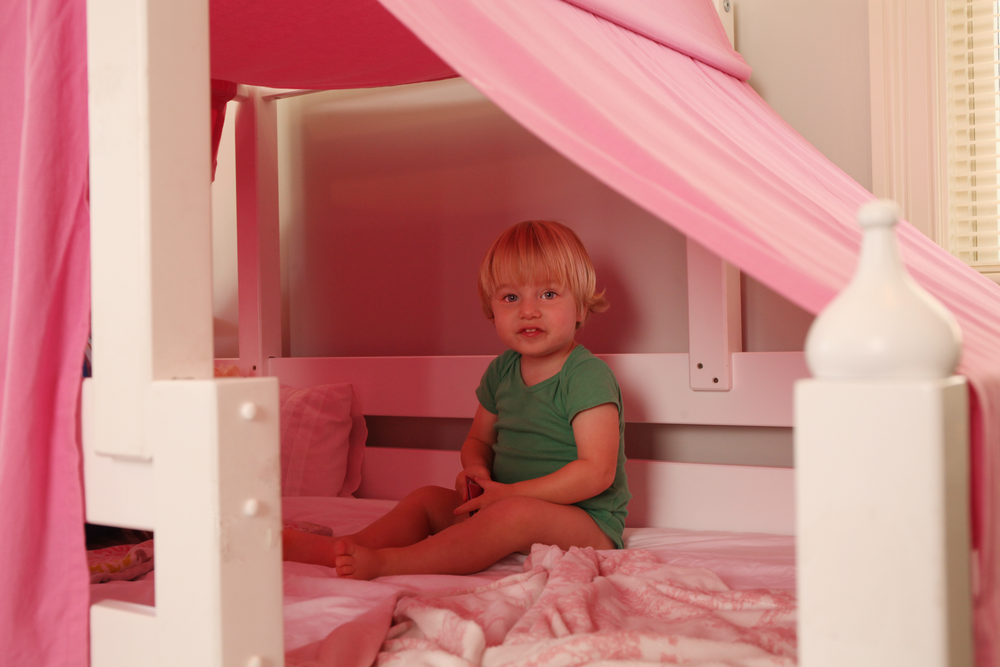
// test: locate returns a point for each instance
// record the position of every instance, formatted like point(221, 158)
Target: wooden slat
point(655, 387)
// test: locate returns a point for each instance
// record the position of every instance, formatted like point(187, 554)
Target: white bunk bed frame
point(167, 447)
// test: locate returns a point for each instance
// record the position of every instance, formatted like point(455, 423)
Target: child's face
point(538, 320)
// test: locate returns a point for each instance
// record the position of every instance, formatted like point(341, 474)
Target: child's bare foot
point(357, 562)
point(309, 547)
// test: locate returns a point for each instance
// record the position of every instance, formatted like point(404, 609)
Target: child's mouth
point(530, 332)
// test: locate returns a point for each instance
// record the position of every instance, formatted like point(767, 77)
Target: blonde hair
point(540, 251)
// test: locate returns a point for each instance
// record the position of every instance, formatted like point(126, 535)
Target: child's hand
point(473, 473)
point(492, 492)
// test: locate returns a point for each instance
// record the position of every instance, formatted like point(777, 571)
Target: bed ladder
point(167, 447)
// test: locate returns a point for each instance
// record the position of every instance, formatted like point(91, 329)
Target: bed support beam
point(150, 205)
point(258, 236)
point(883, 523)
point(654, 386)
point(715, 324)
point(218, 540)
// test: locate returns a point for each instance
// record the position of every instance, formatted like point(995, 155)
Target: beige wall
point(810, 63)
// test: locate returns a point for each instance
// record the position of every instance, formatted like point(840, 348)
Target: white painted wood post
point(218, 531)
point(715, 322)
point(258, 236)
point(150, 206)
point(166, 446)
point(881, 458)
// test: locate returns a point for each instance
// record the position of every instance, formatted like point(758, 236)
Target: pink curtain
point(44, 318)
point(698, 148)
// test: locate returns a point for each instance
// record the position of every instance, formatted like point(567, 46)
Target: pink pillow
point(322, 441)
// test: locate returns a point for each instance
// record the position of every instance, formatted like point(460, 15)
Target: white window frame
point(909, 149)
point(908, 110)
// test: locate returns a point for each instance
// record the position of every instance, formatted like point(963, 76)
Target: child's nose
point(529, 308)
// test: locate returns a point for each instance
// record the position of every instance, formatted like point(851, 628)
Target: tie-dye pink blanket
point(579, 607)
point(124, 562)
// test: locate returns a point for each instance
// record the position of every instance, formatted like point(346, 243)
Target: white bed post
point(166, 446)
point(715, 319)
point(881, 457)
point(258, 236)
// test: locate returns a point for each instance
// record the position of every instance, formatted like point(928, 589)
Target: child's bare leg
point(469, 546)
point(426, 511)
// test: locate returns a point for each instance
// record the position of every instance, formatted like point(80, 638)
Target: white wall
point(400, 192)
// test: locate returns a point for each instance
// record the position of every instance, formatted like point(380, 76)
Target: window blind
point(973, 85)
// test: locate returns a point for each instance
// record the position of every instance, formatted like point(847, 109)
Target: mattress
point(317, 602)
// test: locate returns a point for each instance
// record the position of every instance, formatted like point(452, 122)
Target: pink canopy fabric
point(698, 148)
point(316, 44)
point(44, 318)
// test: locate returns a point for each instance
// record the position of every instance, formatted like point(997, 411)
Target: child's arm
point(477, 450)
point(597, 440)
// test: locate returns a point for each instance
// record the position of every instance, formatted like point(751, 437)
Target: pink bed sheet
point(673, 594)
point(320, 609)
point(580, 607)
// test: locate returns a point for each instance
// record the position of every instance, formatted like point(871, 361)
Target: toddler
point(546, 444)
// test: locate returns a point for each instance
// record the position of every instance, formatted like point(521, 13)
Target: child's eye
point(548, 294)
point(509, 298)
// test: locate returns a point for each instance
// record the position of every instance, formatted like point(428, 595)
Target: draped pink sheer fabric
point(44, 317)
point(698, 148)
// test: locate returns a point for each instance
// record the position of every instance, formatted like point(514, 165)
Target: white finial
point(878, 213)
point(883, 325)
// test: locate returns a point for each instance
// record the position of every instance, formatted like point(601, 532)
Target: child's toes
point(344, 558)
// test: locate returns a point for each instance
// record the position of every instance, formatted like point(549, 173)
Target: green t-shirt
point(534, 430)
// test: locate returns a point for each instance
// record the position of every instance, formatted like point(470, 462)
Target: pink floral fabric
point(123, 562)
point(583, 607)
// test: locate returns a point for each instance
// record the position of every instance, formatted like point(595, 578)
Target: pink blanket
point(125, 562)
point(575, 608)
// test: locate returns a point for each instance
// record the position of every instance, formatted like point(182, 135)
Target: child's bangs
point(539, 253)
point(529, 263)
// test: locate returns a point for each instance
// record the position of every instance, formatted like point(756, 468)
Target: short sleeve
point(490, 382)
point(592, 383)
